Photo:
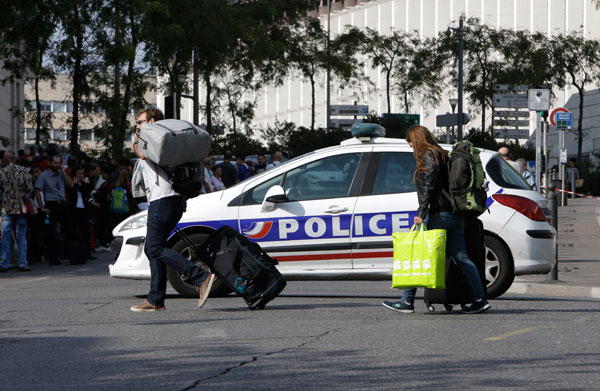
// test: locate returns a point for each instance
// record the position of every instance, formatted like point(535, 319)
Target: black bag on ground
point(457, 290)
point(242, 265)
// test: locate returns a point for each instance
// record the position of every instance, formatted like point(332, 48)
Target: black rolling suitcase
point(242, 265)
point(457, 290)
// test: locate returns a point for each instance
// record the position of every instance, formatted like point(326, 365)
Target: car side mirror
point(274, 195)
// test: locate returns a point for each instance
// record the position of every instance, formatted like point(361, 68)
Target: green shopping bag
point(419, 258)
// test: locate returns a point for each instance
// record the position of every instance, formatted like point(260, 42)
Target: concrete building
point(291, 101)
point(11, 108)
point(56, 100)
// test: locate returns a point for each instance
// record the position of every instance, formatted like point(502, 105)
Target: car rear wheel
point(499, 268)
point(186, 289)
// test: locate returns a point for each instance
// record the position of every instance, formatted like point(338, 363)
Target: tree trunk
point(580, 126)
point(482, 114)
point(38, 111)
point(387, 90)
point(406, 104)
point(312, 105)
point(208, 101)
point(77, 77)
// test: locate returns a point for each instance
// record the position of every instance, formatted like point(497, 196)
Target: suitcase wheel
point(430, 308)
point(448, 307)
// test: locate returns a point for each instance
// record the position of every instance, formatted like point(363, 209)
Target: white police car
point(329, 214)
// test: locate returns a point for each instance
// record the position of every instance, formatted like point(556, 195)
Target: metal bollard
point(552, 199)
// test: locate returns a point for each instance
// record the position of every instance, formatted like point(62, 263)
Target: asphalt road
point(70, 328)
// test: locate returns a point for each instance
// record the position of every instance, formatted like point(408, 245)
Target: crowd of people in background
point(231, 171)
point(79, 200)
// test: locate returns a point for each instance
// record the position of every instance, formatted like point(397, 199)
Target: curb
point(554, 289)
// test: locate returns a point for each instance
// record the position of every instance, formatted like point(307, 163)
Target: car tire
point(186, 289)
point(499, 267)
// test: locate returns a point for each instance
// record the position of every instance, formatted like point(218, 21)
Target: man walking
point(15, 183)
point(52, 183)
point(229, 171)
point(166, 207)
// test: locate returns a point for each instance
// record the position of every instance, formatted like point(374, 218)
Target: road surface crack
point(311, 339)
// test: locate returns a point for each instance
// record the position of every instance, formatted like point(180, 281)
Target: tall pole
point(196, 103)
point(328, 72)
point(460, 80)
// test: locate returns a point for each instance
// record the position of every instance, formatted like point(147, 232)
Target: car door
point(311, 229)
point(387, 203)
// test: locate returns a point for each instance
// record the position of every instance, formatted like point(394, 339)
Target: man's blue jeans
point(163, 216)
point(8, 221)
point(456, 249)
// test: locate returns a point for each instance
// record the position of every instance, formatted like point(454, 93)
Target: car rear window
point(504, 176)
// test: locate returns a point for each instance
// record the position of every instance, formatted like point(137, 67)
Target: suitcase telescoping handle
point(188, 241)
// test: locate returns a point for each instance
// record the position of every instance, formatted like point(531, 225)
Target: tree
point(27, 26)
point(576, 57)
point(75, 54)
point(310, 55)
point(387, 52)
point(166, 29)
point(482, 63)
point(420, 71)
point(118, 40)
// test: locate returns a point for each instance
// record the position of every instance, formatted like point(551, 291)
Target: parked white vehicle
point(329, 214)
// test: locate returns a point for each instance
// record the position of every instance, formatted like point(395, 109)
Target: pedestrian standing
point(435, 210)
point(229, 172)
point(15, 183)
point(572, 176)
point(52, 183)
point(262, 164)
point(165, 209)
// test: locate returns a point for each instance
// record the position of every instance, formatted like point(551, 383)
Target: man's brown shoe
point(144, 306)
point(204, 289)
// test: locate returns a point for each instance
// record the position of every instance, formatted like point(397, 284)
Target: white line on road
point(21, 282)
point(598, 215)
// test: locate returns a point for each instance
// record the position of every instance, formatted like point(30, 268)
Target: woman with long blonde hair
point(435, 210)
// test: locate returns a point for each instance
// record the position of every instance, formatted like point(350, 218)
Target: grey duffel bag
point(172, 142)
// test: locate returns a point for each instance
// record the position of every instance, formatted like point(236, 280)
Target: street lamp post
point(453, 102)
point(328, 73)
point(459, 32)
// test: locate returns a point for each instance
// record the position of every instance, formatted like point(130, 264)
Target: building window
point(46, 106)
point(85, 135)
point(59, 134)
point(59, 107)
point(69, 107)
point(29, 134)
point(596, 144)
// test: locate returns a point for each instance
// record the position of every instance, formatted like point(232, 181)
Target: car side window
point(330, 177)
point(257, 194)
point(395, 173)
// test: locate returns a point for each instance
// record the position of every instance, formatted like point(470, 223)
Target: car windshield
point(504, 175)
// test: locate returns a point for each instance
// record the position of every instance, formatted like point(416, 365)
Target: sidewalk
point(578, 255)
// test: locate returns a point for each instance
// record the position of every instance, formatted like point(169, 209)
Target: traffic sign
point(554, 112)
point(514, 114)
point(349, 109)
point(344, 123)
point(539, 99)
point(509, 122)
point(564, 120)
point(510, 100)
point(563, 156)
point(509, 87)
point(511, 133)
point(450, 119)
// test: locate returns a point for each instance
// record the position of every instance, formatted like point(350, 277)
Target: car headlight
point(135, 223)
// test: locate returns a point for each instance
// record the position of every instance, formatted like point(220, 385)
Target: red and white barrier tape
point(571, 192)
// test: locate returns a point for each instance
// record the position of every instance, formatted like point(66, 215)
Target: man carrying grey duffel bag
point(179, 148)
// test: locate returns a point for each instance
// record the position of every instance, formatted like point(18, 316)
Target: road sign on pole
point(344, 123)
point(553, 114)
point(563, 120)
point(510, 100)
point(539, 99)
point(349, 109)
point(511, 133)
point(450, 119)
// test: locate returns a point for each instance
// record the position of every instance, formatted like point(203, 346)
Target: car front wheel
point(184, 288)
point(499, 268)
